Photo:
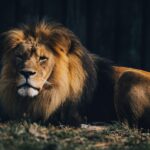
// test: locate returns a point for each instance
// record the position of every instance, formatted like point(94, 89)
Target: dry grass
point(31, 136)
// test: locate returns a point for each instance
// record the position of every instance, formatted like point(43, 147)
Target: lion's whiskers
point(47, 82)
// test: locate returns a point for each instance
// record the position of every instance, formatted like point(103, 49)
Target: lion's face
point(47, 62)
point(30, 58)
point(33, 66)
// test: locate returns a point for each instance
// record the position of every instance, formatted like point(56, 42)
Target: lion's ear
point(8, 41)
point(12, 38)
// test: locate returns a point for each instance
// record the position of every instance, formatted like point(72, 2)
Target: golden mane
point(73, 76)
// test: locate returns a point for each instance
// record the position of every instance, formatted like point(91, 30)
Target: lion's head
point(43, 66)
point(32, 65)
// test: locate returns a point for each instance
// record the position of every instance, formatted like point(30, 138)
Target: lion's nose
point(27, 73)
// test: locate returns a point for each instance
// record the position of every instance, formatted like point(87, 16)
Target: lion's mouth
point(27, 90)
point(27, 85)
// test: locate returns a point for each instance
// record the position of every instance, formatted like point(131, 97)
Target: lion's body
point(48, 75)
point(132, 96)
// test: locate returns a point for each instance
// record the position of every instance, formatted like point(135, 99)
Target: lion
point(48, 75)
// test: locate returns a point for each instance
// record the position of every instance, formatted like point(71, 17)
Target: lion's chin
point(28, 92)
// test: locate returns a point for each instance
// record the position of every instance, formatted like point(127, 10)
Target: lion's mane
point(74, 75)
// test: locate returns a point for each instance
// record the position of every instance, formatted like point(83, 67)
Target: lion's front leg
point(68, 114)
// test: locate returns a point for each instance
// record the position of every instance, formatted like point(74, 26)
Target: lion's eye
point(19, 57)
point(43, 59)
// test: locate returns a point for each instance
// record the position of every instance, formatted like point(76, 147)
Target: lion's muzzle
point(27, 73)
point(26, 88)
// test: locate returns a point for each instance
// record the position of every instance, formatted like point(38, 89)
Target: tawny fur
point(68, 76)
point(70, 88)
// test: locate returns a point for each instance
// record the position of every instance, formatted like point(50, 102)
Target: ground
point(32, 136)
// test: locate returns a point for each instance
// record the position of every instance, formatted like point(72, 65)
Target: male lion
point(48, 75)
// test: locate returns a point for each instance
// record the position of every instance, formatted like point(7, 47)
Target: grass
point(32, 136)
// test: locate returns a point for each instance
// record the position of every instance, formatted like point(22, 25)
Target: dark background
point(115, 29)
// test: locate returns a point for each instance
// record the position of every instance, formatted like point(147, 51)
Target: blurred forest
point(116, 29)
